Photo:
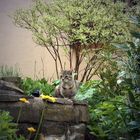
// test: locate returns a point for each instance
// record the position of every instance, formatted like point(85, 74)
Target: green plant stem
point(40, 123)
point(29, 137)
point(19, 114)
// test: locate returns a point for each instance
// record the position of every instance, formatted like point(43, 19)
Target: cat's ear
point(61, 71)
point(72, 70)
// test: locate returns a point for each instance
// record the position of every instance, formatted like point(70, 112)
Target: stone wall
point(62, 120)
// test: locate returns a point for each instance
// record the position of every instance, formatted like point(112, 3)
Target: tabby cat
point(68, 87)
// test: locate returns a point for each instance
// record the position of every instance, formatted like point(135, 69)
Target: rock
point(11, 96)
point(30, 112)
point(66, 113)
point(77, 136)
point(59, 112)
point(53, 137)
point(75, 102)
point(79, 128)
point(9, 86)
point(23, 129)
point(73, 132)
point(61, 128)
point(81, 111)
point(62, 120)
point(65, 101)
point(54, 128)
point(58, 119)
point(70, 132)
point(11, 79)
point(8, 92)
point(53, 111)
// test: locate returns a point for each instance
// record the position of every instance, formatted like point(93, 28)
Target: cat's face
point(66, 75)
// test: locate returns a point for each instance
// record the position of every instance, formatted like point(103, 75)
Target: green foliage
point(56, 82)
point(135, 7)
point(110, 112)
point(108, 118)
point(9, 71)
point(83, 21)
point(114, 101)
point(79, 24)
point(7, 127)
point(131, 67)
point(130, 64)
point(29, 86)
point(87, 91)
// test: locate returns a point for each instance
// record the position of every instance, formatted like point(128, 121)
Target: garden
point(103, 36)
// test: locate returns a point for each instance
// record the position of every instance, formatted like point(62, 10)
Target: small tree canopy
point(79, 25)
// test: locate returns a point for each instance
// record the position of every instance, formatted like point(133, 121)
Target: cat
point(68, 86)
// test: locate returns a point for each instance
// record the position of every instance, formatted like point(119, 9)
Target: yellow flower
point(48, 98)
point(31, 129)
point(24, 100)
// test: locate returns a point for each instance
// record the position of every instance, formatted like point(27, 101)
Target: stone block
point(9, 86)
point(12, 79)
point(63, 120)
point(30, 112)
point(54, 128)
point(66, 113)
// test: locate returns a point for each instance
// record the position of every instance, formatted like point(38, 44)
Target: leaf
point(85, 96)
point(136, 34)
point(134, 124)
point(121, 46)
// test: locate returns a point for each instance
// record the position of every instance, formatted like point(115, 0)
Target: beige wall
point(16, 45)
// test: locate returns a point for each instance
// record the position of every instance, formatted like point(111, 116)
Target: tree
point(83, 28)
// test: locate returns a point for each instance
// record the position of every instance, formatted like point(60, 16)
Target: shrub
point(29, 86)
point(9, 71)
point(8, 128)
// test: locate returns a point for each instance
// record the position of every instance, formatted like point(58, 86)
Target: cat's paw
point(69, 100)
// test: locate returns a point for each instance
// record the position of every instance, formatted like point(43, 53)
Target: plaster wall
point(17, 47)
